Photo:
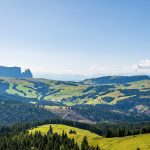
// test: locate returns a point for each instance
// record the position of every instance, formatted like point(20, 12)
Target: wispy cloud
point(143, 67)
point(145, 64)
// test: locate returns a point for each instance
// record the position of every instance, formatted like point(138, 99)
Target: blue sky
point(77, 37)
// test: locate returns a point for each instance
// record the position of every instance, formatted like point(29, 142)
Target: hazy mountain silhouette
point(14, 72)
point(116, 79)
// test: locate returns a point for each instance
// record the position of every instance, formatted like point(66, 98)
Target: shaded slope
point(13, 112)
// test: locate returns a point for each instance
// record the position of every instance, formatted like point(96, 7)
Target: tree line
point(105, 129)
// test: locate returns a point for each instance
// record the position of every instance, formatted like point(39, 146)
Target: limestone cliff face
point(27, 74)
point(14, 72)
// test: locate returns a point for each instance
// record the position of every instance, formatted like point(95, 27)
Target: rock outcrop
point(14, 72)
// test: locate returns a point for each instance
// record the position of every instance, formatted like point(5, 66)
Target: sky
point(76, 38)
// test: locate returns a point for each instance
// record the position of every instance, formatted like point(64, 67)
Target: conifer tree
point(84, 145)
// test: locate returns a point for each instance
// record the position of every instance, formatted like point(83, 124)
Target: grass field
point(123, 143)
point(74, 93)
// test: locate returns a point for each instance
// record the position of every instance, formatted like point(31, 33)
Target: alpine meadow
point(75, 75)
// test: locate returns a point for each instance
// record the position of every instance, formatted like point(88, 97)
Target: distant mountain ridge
point(115, 79)
point(14, 72)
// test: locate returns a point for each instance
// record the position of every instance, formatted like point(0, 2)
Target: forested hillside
point(89, 100)
point(13, 112)
point(18, 137)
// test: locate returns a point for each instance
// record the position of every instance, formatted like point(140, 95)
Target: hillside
point(123, 143)
point(13, 112)
point(71, 93)
point(94, 102)
point(115, 79)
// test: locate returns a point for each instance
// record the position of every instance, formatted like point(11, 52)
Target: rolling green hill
point(71, 93)
point(115, 79)
point(124, 101)
point(121, 143)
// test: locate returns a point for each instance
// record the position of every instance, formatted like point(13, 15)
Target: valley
point(104, 99)
point(113, 112)
point(75, 75)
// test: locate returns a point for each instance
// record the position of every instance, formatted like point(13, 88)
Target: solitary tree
point(84, 145)
point(50, 131)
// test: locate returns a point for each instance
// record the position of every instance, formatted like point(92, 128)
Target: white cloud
point(143, 67)
point(144, 64)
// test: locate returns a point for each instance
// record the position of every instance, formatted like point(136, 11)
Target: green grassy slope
point(123, 143)
point(71, 93)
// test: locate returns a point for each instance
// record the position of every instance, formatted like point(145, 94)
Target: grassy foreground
point(123, 143)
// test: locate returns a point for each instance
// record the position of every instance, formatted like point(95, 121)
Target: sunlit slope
point(71, 93)
point(130, 142)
